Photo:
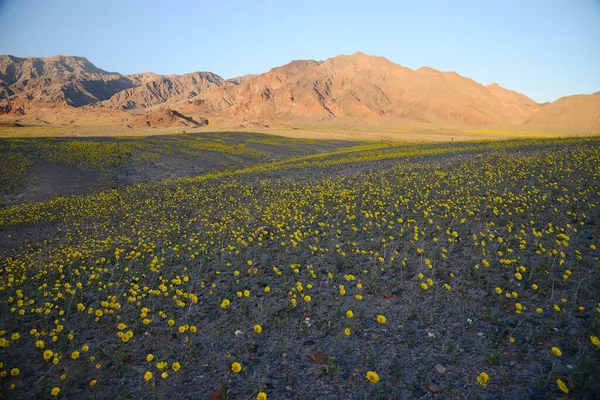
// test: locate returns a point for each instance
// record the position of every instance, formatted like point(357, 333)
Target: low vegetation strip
point(59, 164)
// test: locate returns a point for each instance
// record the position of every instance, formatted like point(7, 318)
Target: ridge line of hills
point(337, 92)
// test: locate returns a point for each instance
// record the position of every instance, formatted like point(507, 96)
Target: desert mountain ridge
point(338, 91)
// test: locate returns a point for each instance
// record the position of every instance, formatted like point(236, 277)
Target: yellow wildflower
point(557, 352)
point(372, 376)
point(261, 396)
point(236, 367)
point(483, 378)
point(562, 386)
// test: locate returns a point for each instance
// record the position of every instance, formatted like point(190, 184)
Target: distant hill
point(167, 118)
point(60, 79)
point(77, 82)
point(366, 87)
point(572, 113)
point(340, 91)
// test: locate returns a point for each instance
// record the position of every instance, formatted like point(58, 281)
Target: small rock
point(219, 394)
point(440, 369)
point(433, 388)
point(318, 358)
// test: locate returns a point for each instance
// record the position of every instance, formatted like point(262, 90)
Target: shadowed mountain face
point(357, 87)
point(77, 82)
point(60, 79)
point(158, 89)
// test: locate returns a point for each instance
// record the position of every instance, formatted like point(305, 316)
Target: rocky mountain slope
point(363, 87)
point(159, 89)
point(60, 79)
point(349, 88)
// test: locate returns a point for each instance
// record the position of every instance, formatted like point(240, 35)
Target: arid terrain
point(340, 96)
point(338, 229)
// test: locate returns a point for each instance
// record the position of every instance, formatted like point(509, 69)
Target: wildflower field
point(35, 169)
point(376, 271)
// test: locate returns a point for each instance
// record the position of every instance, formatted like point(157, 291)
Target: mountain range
point(340, 91)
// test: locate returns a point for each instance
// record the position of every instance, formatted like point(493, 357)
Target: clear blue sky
point(543, 48)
